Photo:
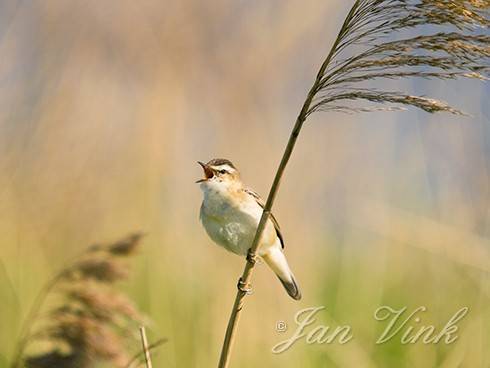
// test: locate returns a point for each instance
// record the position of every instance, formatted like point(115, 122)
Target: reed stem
point(146, 350)
point(340, 78)
point(249, 266)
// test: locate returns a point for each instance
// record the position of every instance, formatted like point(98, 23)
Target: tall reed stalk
point(369, 47)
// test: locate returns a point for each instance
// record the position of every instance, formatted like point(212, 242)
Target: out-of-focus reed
point(78, 318)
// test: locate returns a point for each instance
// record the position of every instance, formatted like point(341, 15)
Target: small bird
point(230, 213)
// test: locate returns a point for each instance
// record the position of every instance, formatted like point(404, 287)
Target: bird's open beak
point(208, 173)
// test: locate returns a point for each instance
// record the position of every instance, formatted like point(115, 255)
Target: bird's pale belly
point(232, 228)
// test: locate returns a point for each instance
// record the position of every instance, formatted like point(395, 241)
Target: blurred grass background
point(105, 107)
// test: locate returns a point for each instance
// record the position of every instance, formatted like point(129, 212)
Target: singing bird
point(230, 213)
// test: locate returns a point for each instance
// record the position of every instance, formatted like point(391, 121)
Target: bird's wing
point(261, 203)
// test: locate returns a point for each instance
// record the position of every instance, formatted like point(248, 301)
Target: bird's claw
point(244, 287)
point(251, 257)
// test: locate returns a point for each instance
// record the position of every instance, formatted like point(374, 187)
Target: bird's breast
point(231, 225)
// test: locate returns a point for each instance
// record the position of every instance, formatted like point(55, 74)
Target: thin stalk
point(249, 266)
point(137, 357)
point(146, 350)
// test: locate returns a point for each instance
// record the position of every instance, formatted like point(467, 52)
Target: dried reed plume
point(376, 42)
point(372, 46)
point(86, 321)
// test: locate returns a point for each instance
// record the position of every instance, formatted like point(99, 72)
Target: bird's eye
point(222, 171)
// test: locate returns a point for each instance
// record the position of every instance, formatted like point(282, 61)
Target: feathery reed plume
point(371, 47)
point(374, 43)
point(87, 320)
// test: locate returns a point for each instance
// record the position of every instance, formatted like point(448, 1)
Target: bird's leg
point(244, 287)
point(251, 257)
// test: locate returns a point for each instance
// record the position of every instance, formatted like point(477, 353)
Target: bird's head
point(219, 173)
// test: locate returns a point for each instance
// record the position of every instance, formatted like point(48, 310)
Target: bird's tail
point(276, 260)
